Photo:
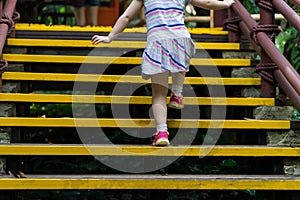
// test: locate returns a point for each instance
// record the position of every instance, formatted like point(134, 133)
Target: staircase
point(107, 116)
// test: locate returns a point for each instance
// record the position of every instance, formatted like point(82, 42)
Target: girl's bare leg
point(176, 100)
point(159, 94)
point(177, 83)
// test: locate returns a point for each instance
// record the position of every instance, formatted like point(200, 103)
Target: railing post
point(219, 16)
point(266, 64)
point(232, 25)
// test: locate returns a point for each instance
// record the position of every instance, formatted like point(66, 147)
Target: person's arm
point(134, 7)
point(212, 4)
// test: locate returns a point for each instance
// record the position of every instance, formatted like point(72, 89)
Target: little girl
point(169, 50)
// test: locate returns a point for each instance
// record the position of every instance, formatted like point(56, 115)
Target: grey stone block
point(274, 112)
point(5, 134)
point(291, 166)
point(251, 92)
point(283, 138)
point(234, 54)
point(17, 50)
point(15, 67)
point(2, 165)
point(11, 87)
point(244, 72)
point(7, 110)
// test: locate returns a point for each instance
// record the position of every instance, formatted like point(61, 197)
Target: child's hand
point(96, 39)
point(229, 2)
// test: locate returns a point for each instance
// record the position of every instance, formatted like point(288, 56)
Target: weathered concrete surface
point(274, 112)
point(291, 166)
point(5, 134)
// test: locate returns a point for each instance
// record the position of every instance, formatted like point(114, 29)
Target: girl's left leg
point(159, 107)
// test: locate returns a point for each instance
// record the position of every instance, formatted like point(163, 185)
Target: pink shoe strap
point(161, 133)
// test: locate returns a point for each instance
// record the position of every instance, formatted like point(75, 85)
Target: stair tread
point(114, 44)
point(117, 60)
point(150, 181)
point(143, 123)
point(113, 99)
point(23, 76)
point(97, 29)
point(148, 150)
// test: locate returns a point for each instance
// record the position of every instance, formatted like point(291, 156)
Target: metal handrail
point(287, 12)
point(297, 2)
point(286, 76)
point(210, 18)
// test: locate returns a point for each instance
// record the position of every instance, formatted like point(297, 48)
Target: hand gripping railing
point(7, 21)
point(273, 64)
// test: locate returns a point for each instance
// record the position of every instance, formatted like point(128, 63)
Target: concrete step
point(144, 123)
point(150, 181)
point(108, 99)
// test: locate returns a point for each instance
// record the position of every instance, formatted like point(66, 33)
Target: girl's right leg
point(176, 100)
point(159, 107)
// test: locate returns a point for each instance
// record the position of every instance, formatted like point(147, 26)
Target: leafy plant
point(288, 43)
point(251, 6)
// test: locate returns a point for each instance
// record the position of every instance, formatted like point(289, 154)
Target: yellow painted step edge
point(148, 150)
point(66, 28)
point(27, 76)
point(116, 60)
point(114, 44)
point(162, 182)
point(60, 98)
point(143, 123)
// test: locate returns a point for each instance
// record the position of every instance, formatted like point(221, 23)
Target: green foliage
point(288, 43)
point(293, 6)
point(56, 14)
point(51, 110)
point(251, 6)
point(296, 114)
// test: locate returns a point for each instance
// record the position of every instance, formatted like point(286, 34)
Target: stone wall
point(9, 109)
point(291, 166)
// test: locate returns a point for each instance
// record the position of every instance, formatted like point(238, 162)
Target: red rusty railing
point(273, 64)
point(288, 12)
point(7, 21)
point(297, 2)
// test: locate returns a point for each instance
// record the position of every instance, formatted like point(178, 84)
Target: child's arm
point(134, 7)
point(212, 4)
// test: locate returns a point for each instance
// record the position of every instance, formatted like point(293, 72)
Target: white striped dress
point(169, 44)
